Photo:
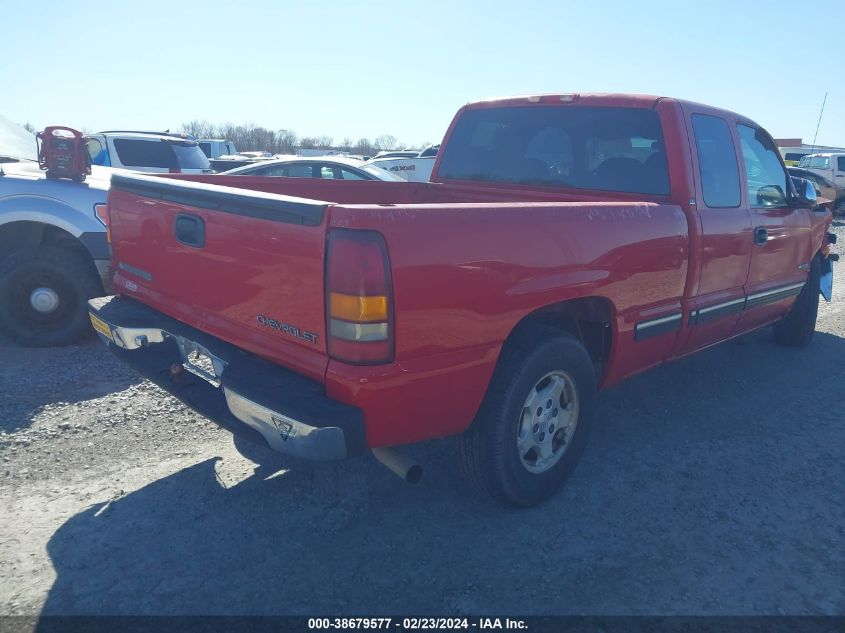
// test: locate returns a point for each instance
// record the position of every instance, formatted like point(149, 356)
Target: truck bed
point(494, 251)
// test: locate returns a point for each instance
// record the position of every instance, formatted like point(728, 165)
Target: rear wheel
point(797, 327)
point(535, 419)
point(43, 294)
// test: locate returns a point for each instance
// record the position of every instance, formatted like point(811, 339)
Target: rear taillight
point(359, 303)
point(102, 213)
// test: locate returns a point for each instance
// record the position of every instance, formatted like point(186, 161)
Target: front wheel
point(43, 294)
point(535, 419)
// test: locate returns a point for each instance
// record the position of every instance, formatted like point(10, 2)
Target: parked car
point(155, 152)
point(215, 148)
point(565, 243)
point(830, 165)
point(54, 255)
point(329, 167)
point(827, 189)
point(233, 161)
point(416, 168)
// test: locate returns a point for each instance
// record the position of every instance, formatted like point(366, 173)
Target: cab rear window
point(601, 148)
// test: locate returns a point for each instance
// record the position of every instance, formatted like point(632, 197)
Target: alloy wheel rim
point(547, 422)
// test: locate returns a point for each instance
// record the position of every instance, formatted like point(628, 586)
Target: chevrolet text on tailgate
point(564, 243)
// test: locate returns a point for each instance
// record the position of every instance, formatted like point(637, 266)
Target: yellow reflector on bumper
point(357, 309)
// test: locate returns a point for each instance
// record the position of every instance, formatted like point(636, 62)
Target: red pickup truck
point(564, 243)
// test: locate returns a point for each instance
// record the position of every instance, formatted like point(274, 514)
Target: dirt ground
point(714, 485)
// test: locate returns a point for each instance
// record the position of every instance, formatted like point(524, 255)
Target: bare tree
point(363, 147)
point(384, 142)
point(286, 141)
point(252, 137)
point(29, 127)
point(199, 129)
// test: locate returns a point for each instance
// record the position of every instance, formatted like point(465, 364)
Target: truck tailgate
point(245, 266)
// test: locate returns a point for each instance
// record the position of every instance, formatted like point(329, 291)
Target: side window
point(840, 163)
point(763, 172)
point(716, 161)
point(138, 153)
point(299, 171)
point(350, 175)
point(206, 149)
point(270, 170)
point(98, 155)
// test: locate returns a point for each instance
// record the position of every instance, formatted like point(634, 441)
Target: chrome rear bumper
point(241, 392)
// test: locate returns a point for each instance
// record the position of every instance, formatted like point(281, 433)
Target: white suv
point(157, 152)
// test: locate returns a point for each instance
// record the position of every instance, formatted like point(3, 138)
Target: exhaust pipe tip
point(399, 464)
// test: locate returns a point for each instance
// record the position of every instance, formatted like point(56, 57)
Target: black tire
point(797, 328)
point(69, 274)
point(839, 209)
point(488, 451)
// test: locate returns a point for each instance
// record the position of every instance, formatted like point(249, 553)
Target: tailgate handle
point(190, 230)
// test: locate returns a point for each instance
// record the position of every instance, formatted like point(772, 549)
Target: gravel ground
point(713, 485)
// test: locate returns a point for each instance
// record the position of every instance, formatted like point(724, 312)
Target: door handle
point(189, 230)
point(761, 235)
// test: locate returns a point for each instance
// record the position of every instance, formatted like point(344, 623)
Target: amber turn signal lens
point(358, 309)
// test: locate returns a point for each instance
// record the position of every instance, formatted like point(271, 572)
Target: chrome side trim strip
point(727, 308)
point(716, 311)
point(775, 294)
point(654, 327)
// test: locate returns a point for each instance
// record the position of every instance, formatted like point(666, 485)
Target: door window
point(269, 170)
point(350, 175)
point(299, 171)
point(328, 172)
point(840, 163)
point(716, 161)
point(764, 174)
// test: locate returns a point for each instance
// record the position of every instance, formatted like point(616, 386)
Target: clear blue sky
point(367, 68)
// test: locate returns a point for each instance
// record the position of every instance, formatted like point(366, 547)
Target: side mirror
point(771, 196)
point(805, 193)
